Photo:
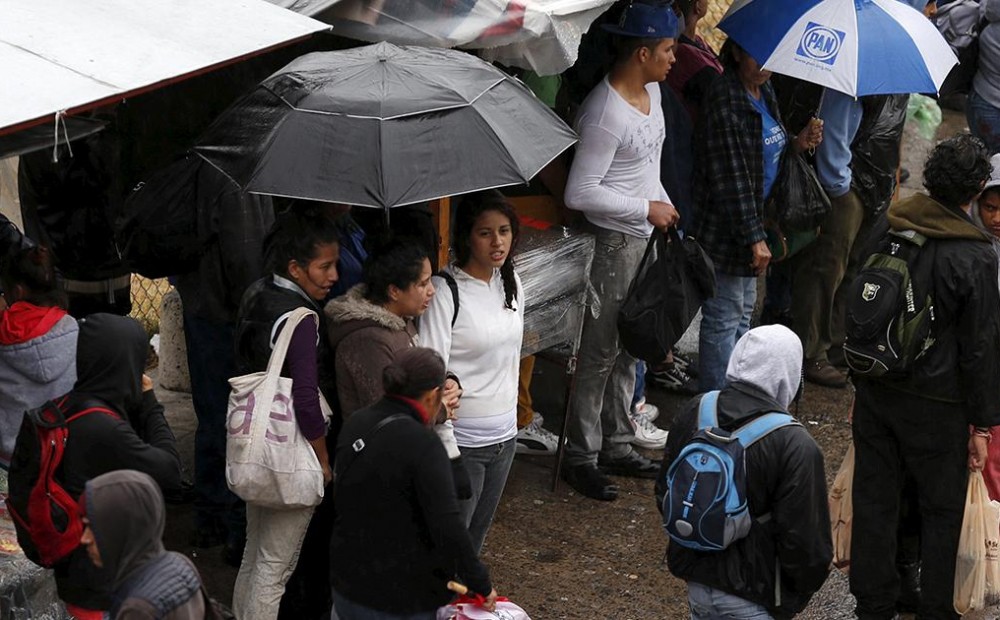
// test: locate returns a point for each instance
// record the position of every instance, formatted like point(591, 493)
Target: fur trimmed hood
point(352, 307)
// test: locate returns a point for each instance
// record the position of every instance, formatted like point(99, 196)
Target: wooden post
point(442, 214)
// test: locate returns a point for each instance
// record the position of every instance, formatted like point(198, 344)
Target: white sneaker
point(646, 410)
point(533, 439)
point(647, 434)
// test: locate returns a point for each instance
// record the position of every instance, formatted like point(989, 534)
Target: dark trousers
point(896, 434)
point(211, 362)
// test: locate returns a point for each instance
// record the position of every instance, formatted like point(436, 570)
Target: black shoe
point(587, 480)
point(684, 363)
point(909, 587)
point(670, 377)
point(634, 465)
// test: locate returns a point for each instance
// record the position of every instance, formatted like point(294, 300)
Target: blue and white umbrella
point(859, 47)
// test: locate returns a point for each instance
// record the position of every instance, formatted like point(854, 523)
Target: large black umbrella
point(384, 126)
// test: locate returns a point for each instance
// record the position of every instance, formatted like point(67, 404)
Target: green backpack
point(890, 308)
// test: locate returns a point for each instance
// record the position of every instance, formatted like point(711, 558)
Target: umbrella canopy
point(384, 126)
point(859, 47)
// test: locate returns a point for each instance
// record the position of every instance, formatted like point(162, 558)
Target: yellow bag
point(842, 511)
point(970, 564)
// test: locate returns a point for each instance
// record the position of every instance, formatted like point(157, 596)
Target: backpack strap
point(360, 443)
point(86, 408)
point(708, 414)
point(751, 433)
point(450, 281)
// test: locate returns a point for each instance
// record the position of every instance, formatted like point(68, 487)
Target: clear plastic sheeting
point(554, 266)
point(541, 35)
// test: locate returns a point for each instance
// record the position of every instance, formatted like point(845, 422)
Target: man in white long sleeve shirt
point(615, 182)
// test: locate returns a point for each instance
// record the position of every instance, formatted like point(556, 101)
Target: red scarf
point(417, 407)
point(23, 322)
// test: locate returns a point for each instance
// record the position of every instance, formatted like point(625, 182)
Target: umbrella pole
point(819, 106)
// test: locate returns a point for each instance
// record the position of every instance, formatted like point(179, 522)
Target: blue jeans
point(346, 609)
point(724, 319)
point(640, 382)
point(488, 468)
point(710, 604)
point(605, 371)
point(211, 362)
point(984, 121)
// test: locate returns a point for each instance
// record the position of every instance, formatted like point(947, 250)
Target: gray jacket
point(987, 80)
point(31, 373)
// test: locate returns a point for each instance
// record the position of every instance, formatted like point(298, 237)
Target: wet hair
point(296, 235)
point(398, 263)
point(33, 271)
point(956, 170)
point(624, 47)
point(413, 373)
point(469, 210)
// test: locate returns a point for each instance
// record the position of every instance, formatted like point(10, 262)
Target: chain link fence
point(146, 297)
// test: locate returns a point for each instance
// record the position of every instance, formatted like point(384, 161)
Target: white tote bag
point(268, 461)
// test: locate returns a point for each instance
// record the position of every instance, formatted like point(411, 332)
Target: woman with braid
point(475, 322)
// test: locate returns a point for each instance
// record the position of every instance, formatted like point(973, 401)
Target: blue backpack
point(705, 507)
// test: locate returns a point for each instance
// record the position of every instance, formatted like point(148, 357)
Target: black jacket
point(964, 360)
point(71, 207)
point(399, 536)
point(786, 480)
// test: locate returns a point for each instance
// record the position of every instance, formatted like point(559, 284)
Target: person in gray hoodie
point(124, 518)
point(785, 558)
point(37, 341)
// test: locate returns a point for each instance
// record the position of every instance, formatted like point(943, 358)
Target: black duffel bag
point(674, 278)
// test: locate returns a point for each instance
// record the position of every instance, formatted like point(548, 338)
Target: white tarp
point(542, 35)
point(68, 55)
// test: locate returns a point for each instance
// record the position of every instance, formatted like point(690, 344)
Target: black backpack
point(890, 307)
point(159, 232)
point(46, 517)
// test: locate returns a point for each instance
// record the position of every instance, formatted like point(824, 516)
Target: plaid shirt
point(729, 174)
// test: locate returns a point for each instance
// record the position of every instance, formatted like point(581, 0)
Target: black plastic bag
point(875, 150)
point(797, 201)
point(674, 278)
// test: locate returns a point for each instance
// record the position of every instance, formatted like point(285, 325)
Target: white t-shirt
point(483, 349)
point(616, 168)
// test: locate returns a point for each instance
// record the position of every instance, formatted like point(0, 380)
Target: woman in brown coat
point(374, 320)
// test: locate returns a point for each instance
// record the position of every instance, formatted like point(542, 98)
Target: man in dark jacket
point(71, 206)
point(785, 558)
point(237, 223)
point(920, 424)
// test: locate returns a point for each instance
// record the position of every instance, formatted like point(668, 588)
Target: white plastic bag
point(467, 611)
point(993, 553)
point(268, 461)
point(971, 564)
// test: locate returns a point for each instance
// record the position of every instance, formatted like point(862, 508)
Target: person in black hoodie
point(111, 358)
point(399, 536)
point(785, 558)
point(919, 424)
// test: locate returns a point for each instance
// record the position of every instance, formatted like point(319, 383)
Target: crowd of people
point(409, 386)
